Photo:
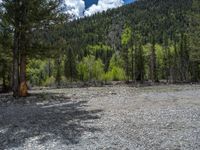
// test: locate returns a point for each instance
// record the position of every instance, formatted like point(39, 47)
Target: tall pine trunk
point(126, 63)
point(23, 90)
point(4, 88)
point(15, 87)
point(58, 72)
point(132, 64)
point(153, 66)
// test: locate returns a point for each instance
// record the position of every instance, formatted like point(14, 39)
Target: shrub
point(116, 74)
point(90, 69)
point(98, 70)
point(49, 81)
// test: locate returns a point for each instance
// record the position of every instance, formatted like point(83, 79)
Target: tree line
point(144, 41)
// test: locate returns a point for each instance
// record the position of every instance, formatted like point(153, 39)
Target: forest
point(146, 41)
point(126, 78)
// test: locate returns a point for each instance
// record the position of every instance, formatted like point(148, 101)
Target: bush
point(116, 74)
point(37, 72)
point(90, 69)
point(98, 70)
point(83, 70)
point(116, 61)
point(49, 81)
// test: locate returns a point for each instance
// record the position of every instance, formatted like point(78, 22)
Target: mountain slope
point(153, 17)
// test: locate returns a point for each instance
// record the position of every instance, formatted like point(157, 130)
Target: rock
point(112, 93)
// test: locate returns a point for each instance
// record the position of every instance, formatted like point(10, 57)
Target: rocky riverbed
point(108, 118)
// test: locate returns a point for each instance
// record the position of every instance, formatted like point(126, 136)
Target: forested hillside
point(149, 40)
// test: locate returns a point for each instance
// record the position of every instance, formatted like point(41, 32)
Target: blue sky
point(128, 1)
point(89, 3)
point(80, 8)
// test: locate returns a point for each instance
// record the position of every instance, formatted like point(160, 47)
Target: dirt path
point(120, 117)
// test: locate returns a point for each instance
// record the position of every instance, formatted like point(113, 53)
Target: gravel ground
point(107, 118)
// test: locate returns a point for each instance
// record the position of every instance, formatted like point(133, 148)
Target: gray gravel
point(105, 118)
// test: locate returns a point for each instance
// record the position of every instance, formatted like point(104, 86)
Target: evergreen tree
point(153, 65)
point(25, 17)
point(126, 41)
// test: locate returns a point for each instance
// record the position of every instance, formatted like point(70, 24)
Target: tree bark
point(4, 88)
point(132, 64)
point(126, 63)
point(153, 66)
point(58, 74)
point(23, 90)
point(49, 68)
point(15, 87)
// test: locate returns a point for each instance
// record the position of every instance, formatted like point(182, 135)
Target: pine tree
point(126, 44)
point(5, 56)
point(194, 36)
point(184, 58)
point(26, 17)
point(153, 65)
point(70, 64)
point(140, 64)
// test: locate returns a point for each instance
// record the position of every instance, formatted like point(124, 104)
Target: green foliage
point(70, 62)
point(5, 56)
point(90, 69)
point(98, 49)
point(116, 61)
point(194, 30)
point(158, 39)
point(146, 49)
point(35, 72)
point(104, 52)
point(126, 35)
point(98, 70)
point(159, 54)
point(85, 68)
point(50, 81)
point(115, 74)
point(139, 64)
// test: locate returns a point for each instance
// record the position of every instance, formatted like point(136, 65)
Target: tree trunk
point(4, 88)
point(23, 90)
point(58, 74)
point(126, 64)
point(49, 68)
point(135, 63)
point(15, 87)
point(132, 64)
point(153, 66)
point(175, 64)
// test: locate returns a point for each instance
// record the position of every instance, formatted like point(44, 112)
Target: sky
point(81, 8)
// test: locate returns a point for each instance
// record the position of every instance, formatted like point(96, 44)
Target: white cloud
point(103, 5)
point(75, 7)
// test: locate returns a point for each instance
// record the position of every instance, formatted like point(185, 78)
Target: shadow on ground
point(53, 117)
